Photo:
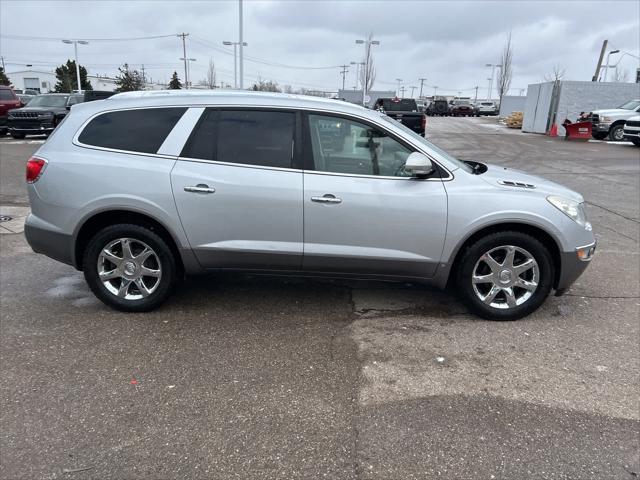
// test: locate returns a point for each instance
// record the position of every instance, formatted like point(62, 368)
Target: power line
point(59, 39)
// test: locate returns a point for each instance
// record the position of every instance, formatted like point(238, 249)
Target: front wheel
point(18, 136)
point(599, 135)
point(616, 133)
point(129, 268)
point(636, 141)
point(505, 276)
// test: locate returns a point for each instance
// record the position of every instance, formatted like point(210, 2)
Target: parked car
point(143, 187)
point(25, 98)
point(631, 130)
point(8, 101)
point(462, 108)
point(404, 110)
point(486, 108)
point(438, 107)
point(42, 114)
point(611, 122)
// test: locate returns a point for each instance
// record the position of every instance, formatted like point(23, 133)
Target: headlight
point(606, 119)
point(46, 115)
point(572, 209)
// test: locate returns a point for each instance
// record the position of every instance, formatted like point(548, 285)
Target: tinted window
point(141, 130)
point(400, 105)
point(49, 101)
point(73, 99)
point(6, 94)
point(261, 138)
point(345, 146)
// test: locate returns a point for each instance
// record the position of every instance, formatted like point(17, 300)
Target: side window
point(73, 99)
point(140, 130)
point(344, 146)
point(249, 137)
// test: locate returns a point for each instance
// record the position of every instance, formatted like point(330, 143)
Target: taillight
point(35, 167)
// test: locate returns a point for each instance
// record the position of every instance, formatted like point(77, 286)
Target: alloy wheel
point(505, 277)
point(129, 269)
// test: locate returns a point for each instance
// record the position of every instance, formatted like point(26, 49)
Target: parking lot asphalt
point(252, 377)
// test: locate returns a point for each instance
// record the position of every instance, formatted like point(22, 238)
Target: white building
point(44, 82)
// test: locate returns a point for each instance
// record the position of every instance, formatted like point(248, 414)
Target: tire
point(495, 246)
point(636, 141)
point(599, 135)
point(18, 136)
point(616, 133)
point(160, 264)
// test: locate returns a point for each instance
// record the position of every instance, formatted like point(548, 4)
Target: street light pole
point(241, 44)
point(399, 80)
point(75, 49)
point(367, 54)
point(606, 70)
point(235, 60)
point(435, 90)
point(493, 68)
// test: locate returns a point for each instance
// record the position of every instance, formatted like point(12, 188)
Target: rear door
point(363, 213)
point(239, 192)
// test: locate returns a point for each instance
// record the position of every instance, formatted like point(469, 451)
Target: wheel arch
point(537, 232)
point(96, 222)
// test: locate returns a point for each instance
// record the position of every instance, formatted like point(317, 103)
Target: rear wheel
point(129, 268)
point(505, 276)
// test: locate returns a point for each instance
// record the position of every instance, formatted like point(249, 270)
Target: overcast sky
point(447, 42)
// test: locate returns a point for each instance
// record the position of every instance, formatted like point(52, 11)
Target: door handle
point(200, 188)
point(327, 198)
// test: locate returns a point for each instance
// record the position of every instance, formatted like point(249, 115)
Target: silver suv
point(144, 187)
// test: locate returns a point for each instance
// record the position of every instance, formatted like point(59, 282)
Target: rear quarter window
point(141, 130)
point(6, 94)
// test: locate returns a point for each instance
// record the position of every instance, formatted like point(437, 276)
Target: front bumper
point(572, 265)
point(30, 125)
point(600, 127)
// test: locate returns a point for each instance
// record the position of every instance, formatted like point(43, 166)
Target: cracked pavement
point(272, 378)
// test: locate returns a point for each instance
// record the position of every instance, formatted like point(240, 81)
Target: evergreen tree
point(4, 80)
point(175, 84)
point(129, 80)
point(68, 80)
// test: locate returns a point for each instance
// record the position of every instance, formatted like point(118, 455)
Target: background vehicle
point(404, 110)
point(486, 108)
point(119, 189)
point(462, 108)
point(631, 130)
point(438, 107)
point(42, 114)
point(8, 101)
point(611, 122)
point(25, 98)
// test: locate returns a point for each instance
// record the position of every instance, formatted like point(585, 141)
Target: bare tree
point(368, 77)
point(211, 74)
point(556, 74)
point(621, 76)
point(506, 72)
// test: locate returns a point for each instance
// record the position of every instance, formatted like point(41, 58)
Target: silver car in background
point(144, 187)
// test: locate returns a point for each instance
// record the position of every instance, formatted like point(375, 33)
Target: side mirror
point(418, 165)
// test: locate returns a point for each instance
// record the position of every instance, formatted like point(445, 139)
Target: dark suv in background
point(8, 101)
point(42, 114)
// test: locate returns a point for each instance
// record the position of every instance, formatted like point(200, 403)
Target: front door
point(238, 197)
point(362, 212)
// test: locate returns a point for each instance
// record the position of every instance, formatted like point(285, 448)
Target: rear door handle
point(200, 188)
point(327, 198)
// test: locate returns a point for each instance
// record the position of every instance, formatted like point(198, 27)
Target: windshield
point(49, 101)
point(632, 105)
point(405, 105)
point(428, 144)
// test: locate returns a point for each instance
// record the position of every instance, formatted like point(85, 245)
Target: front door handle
point(200, 188)
point(327, 198)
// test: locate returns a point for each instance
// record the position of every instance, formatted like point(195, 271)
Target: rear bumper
point(56, 245)
point(572, 266)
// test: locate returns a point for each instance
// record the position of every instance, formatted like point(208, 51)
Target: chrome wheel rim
point(129, 269)
point(505, 277)
point(618, 134)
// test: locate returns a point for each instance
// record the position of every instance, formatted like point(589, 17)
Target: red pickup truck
point(8, 101)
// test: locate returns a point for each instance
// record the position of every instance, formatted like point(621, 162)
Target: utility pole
point(343, 72)
point(144, 78)
point(422, 80)
point(184, 51)
point(241, 44)
point(476, 97)
point(604, 48)
point(413, 89)
point(435, 90)
point(2, 58)
point(402, 92)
